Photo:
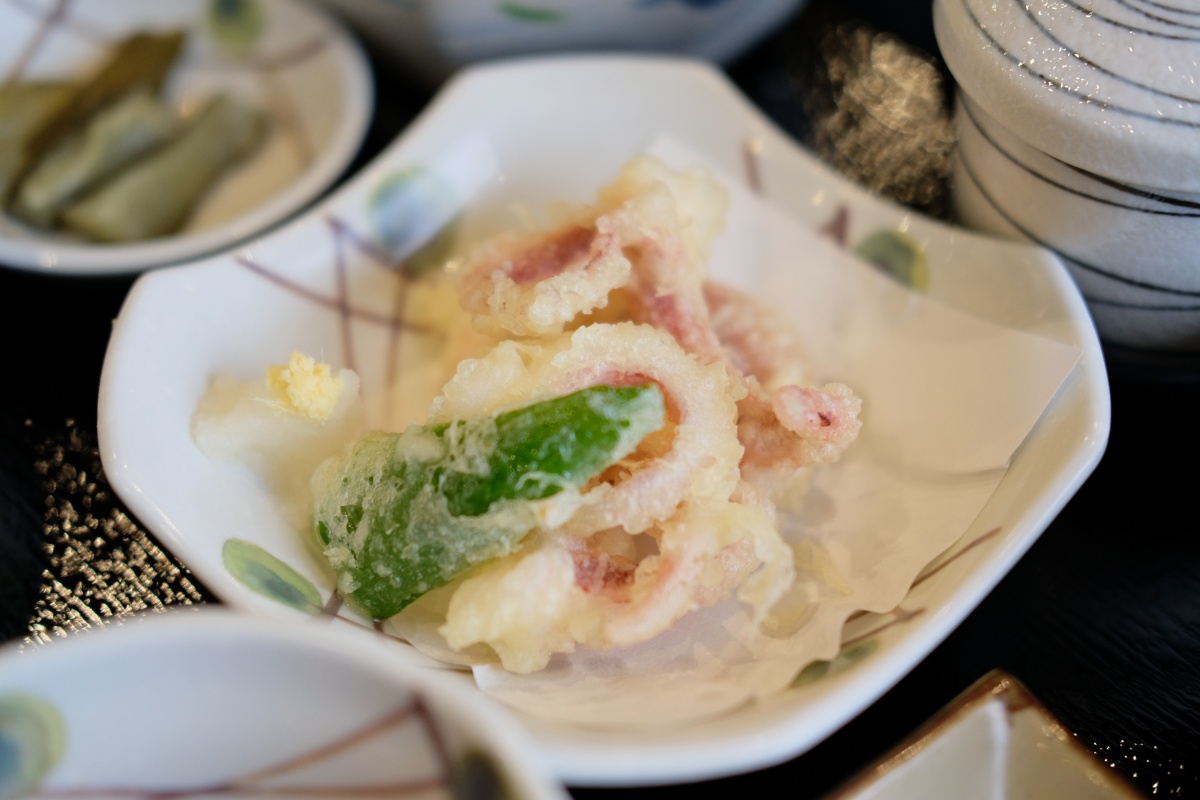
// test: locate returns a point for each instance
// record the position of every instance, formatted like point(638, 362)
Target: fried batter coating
point(534, 284)
point(617, 293)
point(701, 460)
point(660, 225)
point(528, 607)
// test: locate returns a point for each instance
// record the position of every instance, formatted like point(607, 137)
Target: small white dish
point(994, 740)
point(206, 701)
point(296, 61)
point(541, 126)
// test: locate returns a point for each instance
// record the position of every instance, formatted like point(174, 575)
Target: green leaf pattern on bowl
point(32, 740)
point(236, 25)
point(412, 215)
point(897, 255)
point(528, 13)
point(262, 572)
point(848, 657)
point(477, 776)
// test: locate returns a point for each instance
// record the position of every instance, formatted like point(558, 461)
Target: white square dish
point(994, 740)
point(546, 128)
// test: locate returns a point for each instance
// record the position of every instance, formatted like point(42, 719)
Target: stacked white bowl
point(1079, 129)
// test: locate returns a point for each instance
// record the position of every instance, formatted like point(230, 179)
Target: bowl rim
point(173, 626)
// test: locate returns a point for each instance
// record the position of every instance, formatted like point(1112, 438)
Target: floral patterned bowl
point(435, 37)
point(206, 702)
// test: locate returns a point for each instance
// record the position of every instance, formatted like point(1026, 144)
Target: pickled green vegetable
point(406, 513)
point(115, 137)
point(25, 108)
point(154, 196)
point(141, 59)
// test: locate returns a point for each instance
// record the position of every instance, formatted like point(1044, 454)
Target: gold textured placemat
point(100, 563)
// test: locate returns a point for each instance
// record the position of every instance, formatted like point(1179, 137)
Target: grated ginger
point(305, 386)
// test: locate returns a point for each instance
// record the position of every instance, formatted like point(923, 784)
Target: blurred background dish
point(291, 65)
point(435, 37)
point(227, 704)
point(993, 740)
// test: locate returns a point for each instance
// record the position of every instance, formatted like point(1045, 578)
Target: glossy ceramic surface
point(994, 740)
point(1132, 252)
point(541, 120)
point(1077, 129)
point(1108, 86)
point(201, 702)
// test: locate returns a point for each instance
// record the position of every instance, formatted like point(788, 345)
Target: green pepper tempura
point(406, 513)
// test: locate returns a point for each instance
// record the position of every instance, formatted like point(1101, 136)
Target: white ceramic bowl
point(208, 701)
point(1078, 131)
point(1109, 86)
point(435, 37)
point(296, 61)
point(528, 132)
point(1132, 252)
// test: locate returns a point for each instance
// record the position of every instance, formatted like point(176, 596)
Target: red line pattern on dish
point(48, 22)
point(971, 545)
point(414, 712)
point(751, 147)
point(336, 303)
point(900, 614)
point(345, 241)
point(332, 606)
point(838, 227)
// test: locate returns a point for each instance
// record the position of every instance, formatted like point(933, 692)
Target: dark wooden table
point(1099, 620)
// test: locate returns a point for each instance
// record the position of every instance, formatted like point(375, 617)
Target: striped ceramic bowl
point(1079, 129)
